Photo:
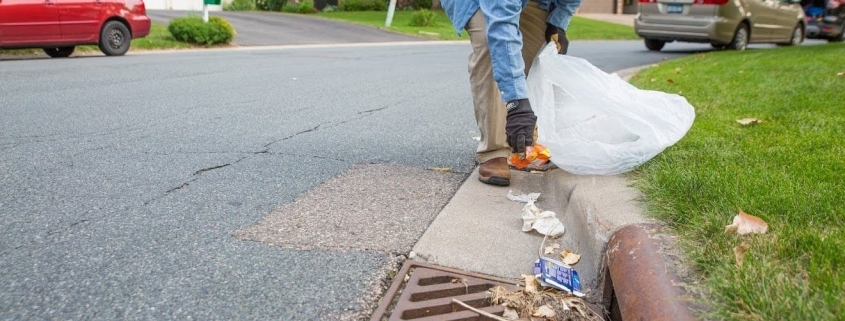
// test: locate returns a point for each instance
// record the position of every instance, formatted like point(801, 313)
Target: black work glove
point(519, 127)
point(557, 35)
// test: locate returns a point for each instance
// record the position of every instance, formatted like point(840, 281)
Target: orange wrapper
point(532, 153)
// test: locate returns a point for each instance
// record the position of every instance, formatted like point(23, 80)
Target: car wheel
point(839, 38)
point(740, 40)
point(654, 44)
point(59, 52)
point(797, 37)
point(114, 38)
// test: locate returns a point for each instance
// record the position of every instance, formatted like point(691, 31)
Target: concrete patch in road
point(376, 207)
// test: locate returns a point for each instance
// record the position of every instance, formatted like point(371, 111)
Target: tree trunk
point(435, 5)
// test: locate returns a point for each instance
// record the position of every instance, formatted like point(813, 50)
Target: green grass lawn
point(159, 38)
point(788, 170)
point(579, 29)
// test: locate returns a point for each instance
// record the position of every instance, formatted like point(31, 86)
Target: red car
point(60, 25)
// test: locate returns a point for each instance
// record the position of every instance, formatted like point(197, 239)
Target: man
point(506, 35)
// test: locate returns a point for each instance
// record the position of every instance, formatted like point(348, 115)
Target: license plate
point(675, 8)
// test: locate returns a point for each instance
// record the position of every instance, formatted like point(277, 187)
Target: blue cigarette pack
point(558, 275)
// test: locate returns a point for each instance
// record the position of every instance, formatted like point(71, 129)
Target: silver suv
point(729, 24)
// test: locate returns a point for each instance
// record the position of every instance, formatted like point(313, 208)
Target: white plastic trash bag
point(596, 123)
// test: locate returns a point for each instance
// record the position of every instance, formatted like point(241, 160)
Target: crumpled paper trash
point(545, 222)
point(523, 198)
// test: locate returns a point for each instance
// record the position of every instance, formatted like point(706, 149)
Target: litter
point(536, 154)
point(533, 218)
point(556, 274)
point(545, 222)
point(523, 198)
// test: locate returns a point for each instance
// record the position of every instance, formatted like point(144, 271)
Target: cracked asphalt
point(122, 180)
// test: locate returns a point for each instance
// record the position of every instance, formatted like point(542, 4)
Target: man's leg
point(532, 23)
point(490, 111)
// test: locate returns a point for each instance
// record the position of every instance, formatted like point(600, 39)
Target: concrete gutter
point(626, 265)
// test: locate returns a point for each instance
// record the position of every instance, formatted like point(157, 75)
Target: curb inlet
point(424, 292)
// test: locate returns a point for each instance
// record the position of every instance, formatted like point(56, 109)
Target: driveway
point(257, 28)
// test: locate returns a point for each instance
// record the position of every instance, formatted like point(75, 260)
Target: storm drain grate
point(428, 292)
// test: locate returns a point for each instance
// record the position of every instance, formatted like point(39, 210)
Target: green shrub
point(422, 4)
point(193, 30)
point(302, 7)
point(362, 5)
point(423, 18)
point(239, 5)
point(270, 5)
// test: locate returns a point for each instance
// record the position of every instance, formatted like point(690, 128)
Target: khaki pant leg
point(532, 24)
point(487, 100)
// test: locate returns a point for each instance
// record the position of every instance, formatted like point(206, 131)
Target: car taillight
point(647, 1)
point(713, 2)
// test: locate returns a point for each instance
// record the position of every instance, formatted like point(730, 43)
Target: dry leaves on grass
point(749, 121)
point(745, 223)
point(841, 73)
point(670, 80)
point(442, 169)
point(739, 253)
point(569, 257)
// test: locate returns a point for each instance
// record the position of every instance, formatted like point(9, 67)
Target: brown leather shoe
point(495, 172)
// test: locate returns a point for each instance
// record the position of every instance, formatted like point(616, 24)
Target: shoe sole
point(498, 181)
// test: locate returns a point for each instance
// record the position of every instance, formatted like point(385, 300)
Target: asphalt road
point(259, 28)
point(124, 181)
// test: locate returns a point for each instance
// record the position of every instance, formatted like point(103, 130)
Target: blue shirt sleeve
point(562, 12)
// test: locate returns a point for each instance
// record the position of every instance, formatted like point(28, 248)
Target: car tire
point(740, 40)
point(114, 38)
point(797, 37)
point(839, 38)
point(59, 52)
point(654, 44)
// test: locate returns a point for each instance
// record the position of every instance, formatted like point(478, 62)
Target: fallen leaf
point(745, 223)
point(699, 56)
point(677, 70)
point(544, 312)
point(670, 80)
point(551, 248)
point(510, 314)
point(637, 77)
point(569, 257)
point(652, 79)
point(749, 121)
point(841, 73)
point(530, 283)
point(442, 169)
point(739, 253)
point(742, 71)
